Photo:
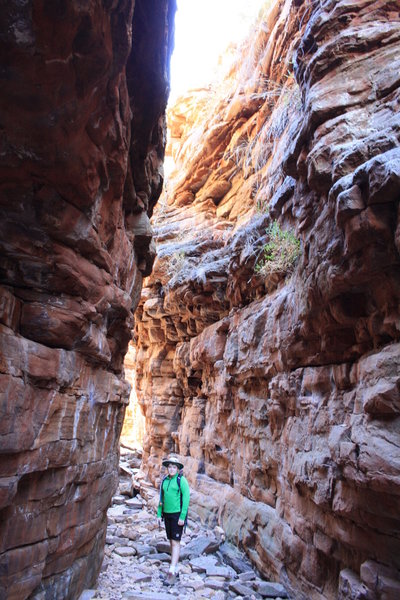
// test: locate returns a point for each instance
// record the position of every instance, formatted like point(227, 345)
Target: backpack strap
point(179, 486)
point(162, 496)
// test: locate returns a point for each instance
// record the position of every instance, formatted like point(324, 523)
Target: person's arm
point(185, 498)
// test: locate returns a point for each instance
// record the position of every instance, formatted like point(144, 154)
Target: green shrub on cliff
point(280, 253)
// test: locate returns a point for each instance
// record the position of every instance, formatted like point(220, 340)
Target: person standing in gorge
point(173, 507)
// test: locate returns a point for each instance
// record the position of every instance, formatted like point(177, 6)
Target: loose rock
point(138, 556)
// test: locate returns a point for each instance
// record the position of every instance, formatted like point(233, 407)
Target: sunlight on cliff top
point(208, 41)
point(203, 32)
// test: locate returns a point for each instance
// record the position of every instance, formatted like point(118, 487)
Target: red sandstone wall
point(83, 93)
point(282, 393)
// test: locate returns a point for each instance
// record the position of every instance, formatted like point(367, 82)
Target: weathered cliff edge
point(84, 87)
point(282, 394)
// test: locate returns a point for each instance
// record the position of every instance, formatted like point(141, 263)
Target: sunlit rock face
point(132, 433)
point(83, 93)
point(281, 392)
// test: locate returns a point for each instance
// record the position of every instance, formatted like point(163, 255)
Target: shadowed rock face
point(83, 92)
point(281, 392)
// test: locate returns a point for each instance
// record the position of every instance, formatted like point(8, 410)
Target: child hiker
point(173, 507)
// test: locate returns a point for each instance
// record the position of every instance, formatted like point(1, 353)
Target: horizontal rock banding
point(281, 393)
point(82, 149)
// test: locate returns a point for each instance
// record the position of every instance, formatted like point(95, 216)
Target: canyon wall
point(84, 87)
point(279, 386)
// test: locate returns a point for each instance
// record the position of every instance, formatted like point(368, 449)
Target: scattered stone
point(247, 576)
point(234, 558)
point(148, 596)
point(185, 568)
point(200, 545)
point(216, 584)
point(126, 487)
point(130, 533)
point(137, 558)
point(125, 551)
point(87, 595)
point(225, 572)
point(139, 577)
point(214, 594)
point(159, 556)
point(195, 584)
point(219, 532)
point(241, 589)
point(143, 549)
point(202, 563)
point(269, 589)
point(119, 499)
point(116, 511)
point(113, 539)
point(134, 503)
point(163, 546)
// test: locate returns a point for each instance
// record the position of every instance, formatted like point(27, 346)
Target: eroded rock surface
point(83, 92)
point(281, 392)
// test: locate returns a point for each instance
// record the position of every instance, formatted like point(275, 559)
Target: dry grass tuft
point(280, 253)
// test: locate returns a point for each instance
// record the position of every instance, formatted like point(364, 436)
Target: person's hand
point(181, 522)
point(159, 521)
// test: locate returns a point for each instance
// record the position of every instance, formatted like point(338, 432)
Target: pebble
point(271, 590)
point(125, 551)
point(134, 503)
point(247, 576)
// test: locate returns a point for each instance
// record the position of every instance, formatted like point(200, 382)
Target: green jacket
point(172, 497)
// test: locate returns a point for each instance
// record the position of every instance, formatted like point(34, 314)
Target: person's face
point(172, 470)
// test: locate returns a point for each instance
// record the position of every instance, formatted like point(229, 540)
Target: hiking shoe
point(170, 579)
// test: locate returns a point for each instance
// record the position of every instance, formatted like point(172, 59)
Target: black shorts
point(173, 530)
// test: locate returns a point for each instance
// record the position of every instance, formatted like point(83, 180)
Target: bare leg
point(170, 548)
point(175, 549)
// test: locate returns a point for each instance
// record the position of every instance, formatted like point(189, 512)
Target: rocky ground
point(137, 555)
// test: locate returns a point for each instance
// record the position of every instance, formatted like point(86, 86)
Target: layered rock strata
point(281, 390)
point(84, 87)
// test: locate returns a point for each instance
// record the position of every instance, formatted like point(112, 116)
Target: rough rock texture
point(83, 91)
point(281, 392)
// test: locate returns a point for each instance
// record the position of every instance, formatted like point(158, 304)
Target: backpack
point(162, 496)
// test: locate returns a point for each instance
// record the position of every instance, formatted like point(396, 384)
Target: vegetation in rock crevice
point(280, 253)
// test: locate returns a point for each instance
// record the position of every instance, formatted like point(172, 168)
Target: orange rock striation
point(84, 87)
point(280, 389)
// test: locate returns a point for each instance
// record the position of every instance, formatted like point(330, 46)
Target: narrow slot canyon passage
point(204, 271)
point(133, 430)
